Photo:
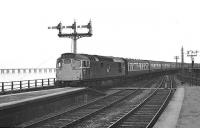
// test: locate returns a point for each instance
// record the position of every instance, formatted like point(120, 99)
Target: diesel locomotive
point(72, 67)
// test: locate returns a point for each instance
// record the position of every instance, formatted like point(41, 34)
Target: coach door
point(85, 69)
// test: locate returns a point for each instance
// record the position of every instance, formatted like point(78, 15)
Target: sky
point(139, 29)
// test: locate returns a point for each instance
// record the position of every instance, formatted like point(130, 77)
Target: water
point(26, 76)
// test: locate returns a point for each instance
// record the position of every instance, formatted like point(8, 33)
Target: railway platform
point(19, 98)
point(20, 107)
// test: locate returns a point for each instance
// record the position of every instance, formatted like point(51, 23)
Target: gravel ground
point(190, 112)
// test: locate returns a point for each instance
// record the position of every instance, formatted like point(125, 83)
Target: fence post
point(20, 83)
point(42, 83)
point(54, 81)
point(48, 81)
point(36, 83)
point(28, 83)
point(2, 87)
point(12, 84)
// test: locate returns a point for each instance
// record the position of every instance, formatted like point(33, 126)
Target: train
point(78, 68)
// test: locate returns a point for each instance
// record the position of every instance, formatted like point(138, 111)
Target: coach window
point(85, 63)
point(132, 66)
point(88, 64)
point(128, 67)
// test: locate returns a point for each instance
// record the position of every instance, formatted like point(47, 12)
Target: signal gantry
point(75, 35)
point(192, 54)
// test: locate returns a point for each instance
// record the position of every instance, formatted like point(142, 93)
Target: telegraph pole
point(75, 35)
point(192, 54)
point(176, 57)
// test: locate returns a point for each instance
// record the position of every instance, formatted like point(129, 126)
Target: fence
point(191, 80)
point(26, 84)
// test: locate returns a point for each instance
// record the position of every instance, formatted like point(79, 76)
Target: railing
point(27, 70)
point(26, 84)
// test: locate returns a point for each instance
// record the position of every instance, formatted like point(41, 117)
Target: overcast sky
point(141, 29)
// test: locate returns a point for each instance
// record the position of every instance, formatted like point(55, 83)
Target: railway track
point(146, 113)
point(77, 114)
point(117, 111)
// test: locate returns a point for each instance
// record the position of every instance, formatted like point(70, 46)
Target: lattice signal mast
point(75, 35)
point(192, 54)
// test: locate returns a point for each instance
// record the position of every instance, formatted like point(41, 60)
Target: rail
point(26, 84)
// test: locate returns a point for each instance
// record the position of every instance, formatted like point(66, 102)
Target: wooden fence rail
point(26, 84)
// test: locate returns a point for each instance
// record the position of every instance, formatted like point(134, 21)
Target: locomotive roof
point(72, 55)
point(87, 57)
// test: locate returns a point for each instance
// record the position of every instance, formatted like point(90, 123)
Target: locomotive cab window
point(67, 61)
point(59, 64)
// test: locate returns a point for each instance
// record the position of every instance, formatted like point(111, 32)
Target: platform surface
point(10, 99)
point(170, 116)
point(190, 112)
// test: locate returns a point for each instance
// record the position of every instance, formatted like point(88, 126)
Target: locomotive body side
point(105, 67)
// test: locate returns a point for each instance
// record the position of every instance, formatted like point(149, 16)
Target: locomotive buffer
point(75, 35)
